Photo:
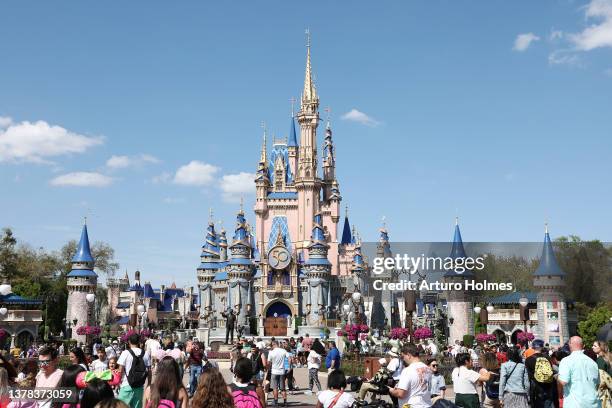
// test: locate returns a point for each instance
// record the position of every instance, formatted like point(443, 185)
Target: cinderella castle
point(292, 270)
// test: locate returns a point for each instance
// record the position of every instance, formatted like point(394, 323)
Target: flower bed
point(484, 337)
point(88, 330)
point(142, 333)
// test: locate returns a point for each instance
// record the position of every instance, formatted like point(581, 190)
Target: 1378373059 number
point(43, 394)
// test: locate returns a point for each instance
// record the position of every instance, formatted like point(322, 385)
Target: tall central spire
point(309, 95)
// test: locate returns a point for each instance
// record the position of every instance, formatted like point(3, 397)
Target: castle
point(293, 272)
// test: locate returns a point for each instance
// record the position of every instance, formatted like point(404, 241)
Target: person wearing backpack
point(133, 368)
point(490, 387)
point(167, 391)
point(543, 390)
point(514, 381)
point(245, 393)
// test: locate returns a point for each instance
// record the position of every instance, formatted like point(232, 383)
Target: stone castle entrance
point(276, 321)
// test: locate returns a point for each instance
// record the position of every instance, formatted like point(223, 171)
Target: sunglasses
point(44, 362)
point(434, 365)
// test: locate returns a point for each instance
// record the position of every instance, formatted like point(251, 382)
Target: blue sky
point(498, 112)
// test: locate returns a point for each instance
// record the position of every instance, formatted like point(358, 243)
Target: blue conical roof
point(317, 230)
point(548, 261)
point(457, 251)
point(358, 263)
point(346, 232)
point(241, 234)
point(292, 142)
point(210, 249)
point(83, 253)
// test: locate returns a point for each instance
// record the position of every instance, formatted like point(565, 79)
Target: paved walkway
point(298, 399)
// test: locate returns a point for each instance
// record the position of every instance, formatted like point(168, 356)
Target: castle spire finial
point(309, 93)
point(241, 205)
point(328, 112)
point(292, 100)
point(264, 151)
point(456, 220)
point(85, 220)
point(210, 214)
point(546, 227)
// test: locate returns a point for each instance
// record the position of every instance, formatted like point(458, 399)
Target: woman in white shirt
point(334, 396)
point(465, 380)
point(314, 363)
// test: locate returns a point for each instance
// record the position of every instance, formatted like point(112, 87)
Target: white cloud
point(235, 186)
point(523, 41)
point(196, 173)
point(121, 162)
point(82, 179)
point(5, 122)
point(596, 35)
point(355, 115)
point(162, 178)
point(35, 142)
point(564, 57)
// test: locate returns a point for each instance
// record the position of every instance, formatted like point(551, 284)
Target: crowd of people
point(149, 374)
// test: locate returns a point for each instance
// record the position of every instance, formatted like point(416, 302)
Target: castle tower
point(549, 280)
point(292, 144)
point(240, 273)
point(209, 266)
point(115, 287)
point(81, 281)
point(307, 183)
point(317, 269)
point(460, 303)
point(222, 246)
point(385, 304)
point(329, 162)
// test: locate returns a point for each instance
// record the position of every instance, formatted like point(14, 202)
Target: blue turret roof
point(457, 251)
point(358, 263)
point(346, 232)
point(210, 249)
point(82, 273)
point(317, 229)
point(548, 262)
point(292, 142)
point(148, 291)
point(83, 253)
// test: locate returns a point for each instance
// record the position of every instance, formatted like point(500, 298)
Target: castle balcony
point(278, 288)
point(14, 316)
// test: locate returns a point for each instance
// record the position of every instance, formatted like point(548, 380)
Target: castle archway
point(278, 314)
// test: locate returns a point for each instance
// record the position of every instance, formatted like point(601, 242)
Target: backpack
point(245, 397)
point(138, 372)
point(543, 372)
point(164, 403)
point(257, 363)
point(492, 388)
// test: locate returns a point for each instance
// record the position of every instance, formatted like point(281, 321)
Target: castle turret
point(306, 181)
point(240, 274)
point(346, 230)
point(262, 179)
point(209, 266)
point(317, 269)
point(459, 302)
point(81, 281)
point(549, 281)
point(115, 287)
point(222, 246)
point(292, 144)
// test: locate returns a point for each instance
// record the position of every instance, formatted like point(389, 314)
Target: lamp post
point(410, 307)
point(524, 311)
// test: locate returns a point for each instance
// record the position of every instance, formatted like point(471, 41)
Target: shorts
point(278, 382)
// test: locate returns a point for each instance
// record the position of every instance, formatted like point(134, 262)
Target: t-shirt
point(333, 355)
point(437, 384)
point(464, 380)
point(287, 362)
point(125, 360)
point(51, 381)
point(326, 397)
point(582, 377)
point(98, 365)
point(276, 357)
point(110, 352)
point(415, 380)
point(314, 360)
point(396, 367)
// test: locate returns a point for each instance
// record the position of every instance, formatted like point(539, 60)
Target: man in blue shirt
point(579, 376)
point(332, 361)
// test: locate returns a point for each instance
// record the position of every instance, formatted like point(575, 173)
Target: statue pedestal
point(312, 331)
point(203, 334)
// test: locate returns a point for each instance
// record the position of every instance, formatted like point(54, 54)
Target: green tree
point(595, 320)
point(8, 255)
